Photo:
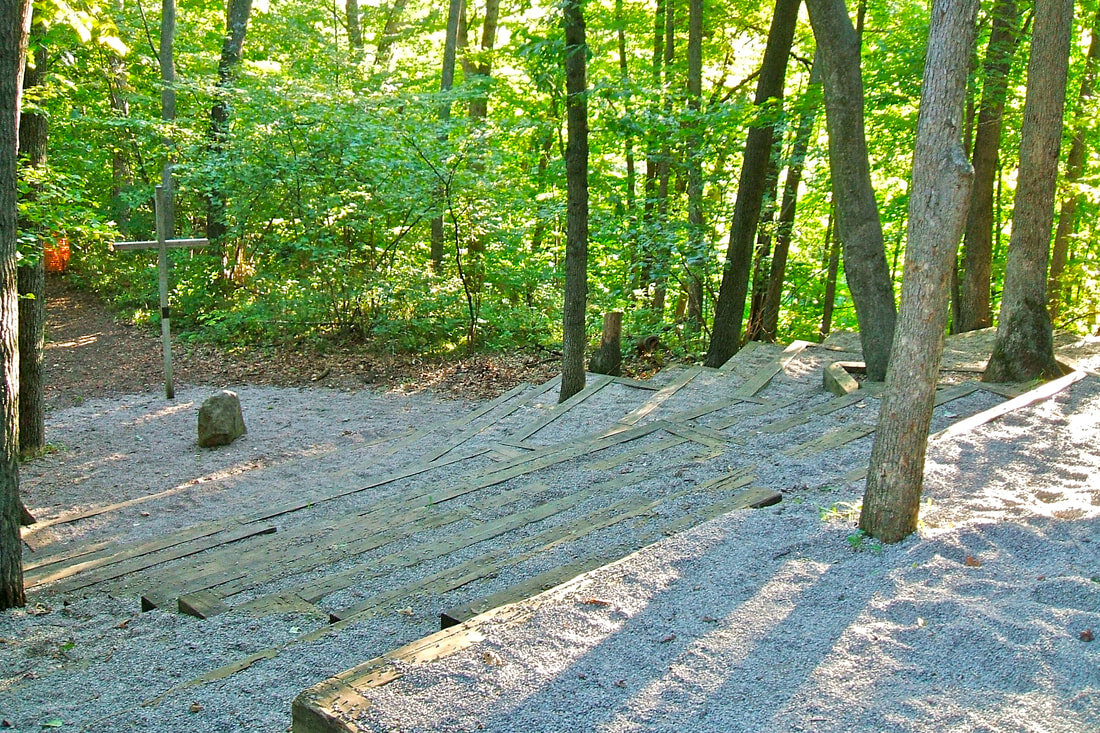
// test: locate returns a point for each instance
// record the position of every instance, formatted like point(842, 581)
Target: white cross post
point(161, 245)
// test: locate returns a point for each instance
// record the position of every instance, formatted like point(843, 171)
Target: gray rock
point(220, 419)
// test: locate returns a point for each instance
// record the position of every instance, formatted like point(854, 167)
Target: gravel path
point(766, 617)
point(777, 619)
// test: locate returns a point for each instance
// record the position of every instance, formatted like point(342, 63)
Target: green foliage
point(334, 165)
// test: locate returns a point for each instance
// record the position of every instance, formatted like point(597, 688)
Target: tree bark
point(1075, 167)
point(355, 30)
point(446, 82)
point(576, 176)
point(168, 104)
point(697, 234)
point(941, 182)
point(14, 21)
point(769, 319)
point(236, 24)
point(973, 310)
point(389, 33)
point(858, 226)
point(730, 307)
point(479, 105)
point(832, 267)
point(1024, 349)
point(33, 137)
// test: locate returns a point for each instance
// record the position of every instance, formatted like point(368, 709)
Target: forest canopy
point(351, 192)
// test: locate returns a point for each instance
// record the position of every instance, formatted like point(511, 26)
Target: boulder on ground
point(220, 419)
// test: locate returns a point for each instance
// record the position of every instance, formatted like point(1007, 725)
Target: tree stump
point(608, 359)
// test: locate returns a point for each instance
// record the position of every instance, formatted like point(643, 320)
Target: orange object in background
point(57, 255)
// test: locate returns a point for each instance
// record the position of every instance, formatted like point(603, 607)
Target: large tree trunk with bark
point(33, 136)
point(236, 23)
point(1075, 167)
point(576, 177)
point(940, 188)
point(973, 305)
point(1024, 348)
point(14, 18)
point(730, 307)
point(858, 226)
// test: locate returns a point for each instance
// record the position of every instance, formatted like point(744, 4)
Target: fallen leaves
point(972, 562)
point(1086, 635)
point(596, 602)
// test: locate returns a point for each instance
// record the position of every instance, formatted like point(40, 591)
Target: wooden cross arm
point(185, 243)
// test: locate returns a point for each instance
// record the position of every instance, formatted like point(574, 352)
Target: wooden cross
point(161, 245)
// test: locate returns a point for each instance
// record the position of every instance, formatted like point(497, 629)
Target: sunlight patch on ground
point(87, 340)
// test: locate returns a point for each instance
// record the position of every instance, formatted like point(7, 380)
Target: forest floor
point(83, 336)
point(772, 619)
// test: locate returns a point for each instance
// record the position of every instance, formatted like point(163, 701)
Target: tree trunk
point(628, 137)
point(14, 21)
point(236, 23)
point(762, 266)
point(168, 104)
point(576, 177)
point(389, 34)
point(479, 105)
point(1075, 167)
point(973, 310)
point(693, 157)
point(769, 319)
point(33, 136)
point(730, 307)
point(446, 81)
point(858, 226)
point(355, 30)
point(644, 245)
point(121, 175)
point(662, 251)
point(941, 182)
point(1024, 348)
point(832, 267)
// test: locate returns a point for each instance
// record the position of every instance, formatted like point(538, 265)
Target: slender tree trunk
point(858, 226)
point(576, 176)
point(628, 137)
point(33, 136)
point(832, 267)
point(1075, 167)
point(662, 251)
point(769, 321)
point(388, 35)
point(942, 176)
point(1024, 348)
point(761, 268)
point(973, 310)
point(355, 30)
point(479, 105)
point(14, 21)
point(645, 244)
point(121, 175)
point(236, 24)
point(446, 81)
point(168, 104)
point(730, 307)
point(697, 234)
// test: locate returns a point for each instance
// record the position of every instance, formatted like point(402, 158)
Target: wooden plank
point(699, 434)
point(832, 439)
point(649, 449)
point(203, 604)
point(747, 350)
point(662, 395)
point(762, 377)
point(143, 562)
point(195, 243)
point(1043, 392)
point(471, 429)
point(1009, 391)
point(36, 573)
point(635, 383)
point(597, 383)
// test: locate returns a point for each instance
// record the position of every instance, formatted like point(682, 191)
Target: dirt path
point(90, 353)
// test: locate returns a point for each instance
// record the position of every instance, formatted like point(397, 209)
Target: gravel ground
point(780, 596)
point(778, 619)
